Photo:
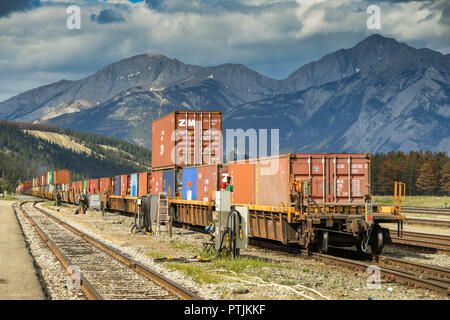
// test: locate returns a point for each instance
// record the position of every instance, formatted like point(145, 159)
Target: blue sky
point(273, 37)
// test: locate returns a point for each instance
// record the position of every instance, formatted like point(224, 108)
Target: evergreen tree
point(445, 179)
point(428, 178)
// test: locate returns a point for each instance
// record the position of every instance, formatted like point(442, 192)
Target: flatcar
point(310, 200)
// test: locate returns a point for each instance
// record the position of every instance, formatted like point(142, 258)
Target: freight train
point(310, 200)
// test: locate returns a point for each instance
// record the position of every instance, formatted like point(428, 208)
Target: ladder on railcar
point(162, 213)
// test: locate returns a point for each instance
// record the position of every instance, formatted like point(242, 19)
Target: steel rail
point(430, 222)
point(426, 209)
point(420, 235)
point(438, 242)
point(406, 277)
point(392, 274)
point(440, 246)
point(158, 279)
point(432, 272)
point(86, 287)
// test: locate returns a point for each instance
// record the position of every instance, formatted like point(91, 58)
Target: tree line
point(424, 173)
point(24, 156)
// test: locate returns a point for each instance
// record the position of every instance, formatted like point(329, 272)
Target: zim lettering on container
point(187, 138)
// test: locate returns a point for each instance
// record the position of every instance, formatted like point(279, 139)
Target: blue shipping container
point(168, 181)
point(117, 186)
point(190, 183)
point(134, 185)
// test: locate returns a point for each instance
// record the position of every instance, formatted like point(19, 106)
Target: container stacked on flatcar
point(187, 165)
point(182, 141)
point(47, 185)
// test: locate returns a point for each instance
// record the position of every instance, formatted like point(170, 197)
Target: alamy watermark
point(74, 278)
point(374, 20)
point(74, 19)
point(240, 145)
point(374, 280)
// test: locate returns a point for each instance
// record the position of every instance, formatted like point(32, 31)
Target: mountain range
point(379, 95)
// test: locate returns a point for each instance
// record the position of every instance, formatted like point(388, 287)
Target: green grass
point(203, 272)
point(238, 265)
point(179, 245)
point(197, 273)
point(419, 201)
point(155, 254)
point(48, 203)
point(8, 197)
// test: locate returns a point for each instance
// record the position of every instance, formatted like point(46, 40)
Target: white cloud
point(275, 37)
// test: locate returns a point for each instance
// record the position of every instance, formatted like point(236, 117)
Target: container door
point(142, 184)
point(157, 182)
point(134, 185)
point(190, 183)
point(117, 186)
point(168, 182)
point(272, 181)
point(311, 168)
point(123, 185)
point(207, 182)
point(243, 182)
point(350, 178)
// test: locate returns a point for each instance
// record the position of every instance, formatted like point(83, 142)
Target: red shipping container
point(106, 185)
point(80, 186)
point(209, 179)
point(333, 178)
point(90, 187)
point(94, 186)
point(342, 178)
point(187, 138)
point(123, 185)
point(61, 176)
point(243, 181)
point(149, 183)
point(157, 182)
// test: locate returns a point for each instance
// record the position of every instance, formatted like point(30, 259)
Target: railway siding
point(108, 278)
point(287, 273)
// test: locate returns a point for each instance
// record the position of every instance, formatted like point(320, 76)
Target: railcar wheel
point(376, 242)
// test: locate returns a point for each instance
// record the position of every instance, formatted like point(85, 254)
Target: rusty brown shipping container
point(106, 185)
point(61, 177)
point(187, 138)
point(243, 181)
point(94, 186)
point(209, 178)
point(123, 185)
point(334, 178)
point(144, 183)
point(157, 185)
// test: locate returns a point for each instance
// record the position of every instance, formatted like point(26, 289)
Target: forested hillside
point(25, 153)
point(423, 173)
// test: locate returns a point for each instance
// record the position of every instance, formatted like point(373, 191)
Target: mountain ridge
point(371, 97)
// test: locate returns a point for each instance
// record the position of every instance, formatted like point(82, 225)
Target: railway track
point(429, 211)
point(399, 270)
point(429, 222)
point(105, 272)
point(440, 243)
point(392, 269)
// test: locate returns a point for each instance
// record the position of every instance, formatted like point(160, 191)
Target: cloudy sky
point(273, 37)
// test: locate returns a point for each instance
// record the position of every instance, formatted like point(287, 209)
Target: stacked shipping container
point(335, 178)
point(187, 138)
